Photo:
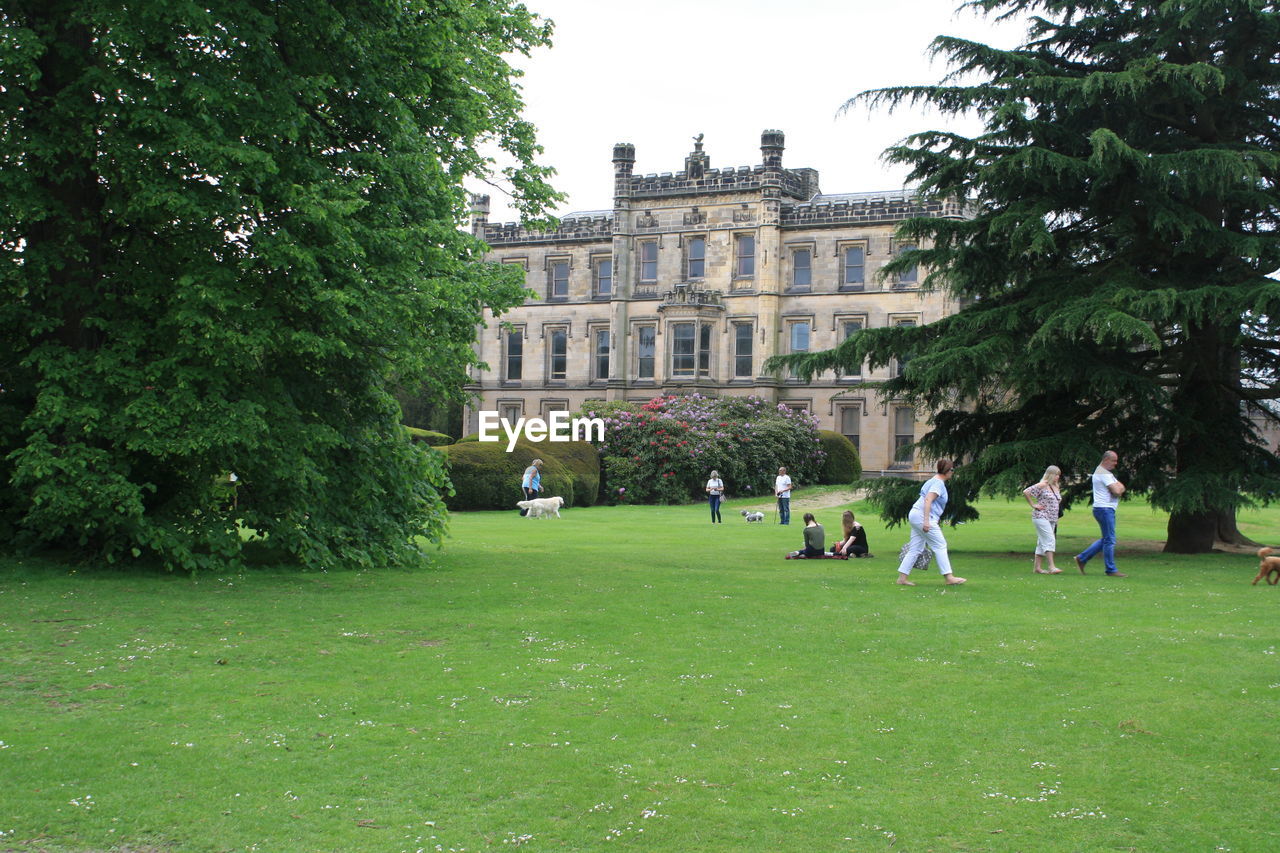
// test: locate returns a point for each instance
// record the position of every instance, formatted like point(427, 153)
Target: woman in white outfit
point(1045, 499)
point(925, 529)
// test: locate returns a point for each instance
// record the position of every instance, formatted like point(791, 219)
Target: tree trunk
point(1191, 533)
point(1229, 533)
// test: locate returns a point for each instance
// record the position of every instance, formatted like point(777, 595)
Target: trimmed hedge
point(431, 437)
point(486, 476)
point(583, 461)
point(842, 465)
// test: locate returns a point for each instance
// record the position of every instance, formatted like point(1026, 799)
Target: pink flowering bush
point(662, 451)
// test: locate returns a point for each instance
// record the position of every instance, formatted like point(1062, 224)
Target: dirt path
point(826, 500)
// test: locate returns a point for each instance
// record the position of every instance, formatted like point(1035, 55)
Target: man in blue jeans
point(1106, 497)
point(782, 488)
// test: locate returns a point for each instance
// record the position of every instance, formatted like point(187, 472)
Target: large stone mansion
point(692, 281)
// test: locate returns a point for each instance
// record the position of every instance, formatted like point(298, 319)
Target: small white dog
point(753, 516)
point(538, 507)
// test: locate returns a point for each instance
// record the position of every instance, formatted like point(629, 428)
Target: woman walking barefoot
point(923, 519)
point(1045, 498)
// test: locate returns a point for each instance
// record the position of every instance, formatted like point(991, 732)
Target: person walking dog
point(531, 482)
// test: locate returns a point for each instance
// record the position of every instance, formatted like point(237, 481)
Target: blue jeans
point(1106, 518)
point(784, 510)
point(715, 509)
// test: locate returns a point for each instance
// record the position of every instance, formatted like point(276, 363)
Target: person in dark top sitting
point(854, 543)
point(814, 538)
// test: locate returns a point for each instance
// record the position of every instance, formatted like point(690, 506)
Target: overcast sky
point(657, 72)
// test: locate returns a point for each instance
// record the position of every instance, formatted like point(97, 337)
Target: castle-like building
point(692, 281)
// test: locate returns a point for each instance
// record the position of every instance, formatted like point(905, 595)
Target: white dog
point(538, 507)
point(752, 516)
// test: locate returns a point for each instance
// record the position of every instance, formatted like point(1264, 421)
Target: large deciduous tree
point(1113, 279)
point(228, 230)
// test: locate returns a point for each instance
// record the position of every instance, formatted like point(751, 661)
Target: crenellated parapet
point(593, 225)
point(865, 209)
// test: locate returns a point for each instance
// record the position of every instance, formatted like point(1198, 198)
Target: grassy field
point(636, 678)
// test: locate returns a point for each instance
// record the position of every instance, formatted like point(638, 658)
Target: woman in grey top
point(814, 538)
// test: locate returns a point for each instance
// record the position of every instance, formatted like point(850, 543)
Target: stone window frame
point(596, 259)
point(593, 331)
point(636, 326)
point(551, 262)
point(734, 324)
point(841, 407)
point(687, 258)
point(792, 249)
point(547, 405)
point(792, 319)
point(738, 238)
point(902, 319)
point(896, 247)
point(842, 264)
point(548, 333)
point(521, 331)
point(640, 261)
point(505, 407)
point(838, 320)
point(897, 446)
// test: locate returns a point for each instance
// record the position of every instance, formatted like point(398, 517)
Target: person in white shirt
point(782, 488)
point(715, 492)
point(1106, 497)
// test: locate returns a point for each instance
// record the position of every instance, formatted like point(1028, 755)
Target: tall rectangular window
point(799, 334)
point(515, 355)
point(801, 268)
point(743, 335)
point(697, 257)
point(649, 260)
point(558, 352)
point(510, 411)
point(603, 274)
point(907, 278)
point(851, 425)
point(900, 364)
point(602, 354)
point(744, 256)
point(854, 268)
point(847, 328)
point(704, 350)
point(682, 356)
point(904, 424)
point(560, 280)
point(646, 347)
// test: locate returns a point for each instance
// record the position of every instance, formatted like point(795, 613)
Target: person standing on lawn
point(715, 493)
point(1106, 497)
point(1045, 499)
point(782, 490)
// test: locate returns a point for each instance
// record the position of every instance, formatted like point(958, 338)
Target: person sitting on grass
point(814, 538)
point(854, 543)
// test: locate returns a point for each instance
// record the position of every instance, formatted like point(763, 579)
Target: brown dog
point(1269, 568)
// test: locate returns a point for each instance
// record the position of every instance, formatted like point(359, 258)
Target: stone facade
point(692, 281)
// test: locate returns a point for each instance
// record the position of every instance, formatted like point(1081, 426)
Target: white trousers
point(1046, 541)
point(919, 538)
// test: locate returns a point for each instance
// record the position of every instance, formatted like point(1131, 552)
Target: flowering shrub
point(662, 451)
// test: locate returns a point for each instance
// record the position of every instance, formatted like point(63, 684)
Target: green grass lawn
point(636, 678)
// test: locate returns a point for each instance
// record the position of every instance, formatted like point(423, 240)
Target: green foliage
point(842, 465)
point(428, 437)
point(663, 451)
point(486, 476)
point(1114, 274)
point(229, 231)
point(582, 460)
